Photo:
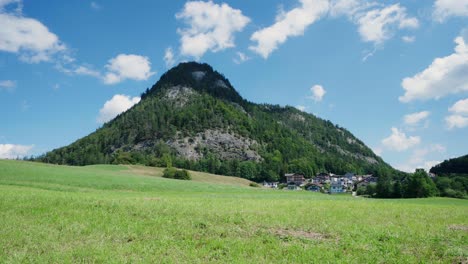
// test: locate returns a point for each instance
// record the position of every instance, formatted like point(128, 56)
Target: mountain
point(193, 118)
point(452, 166)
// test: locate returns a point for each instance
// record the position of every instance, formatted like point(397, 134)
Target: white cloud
point(7, 85)
point(459, 116)
point(456, 121)
point(128, 66)
point(398, 141)
point(378, 151)
point(240, 58)
point(444, 9)
point(78, 70)
point(95, 6)
point(416, 118)
point(345, 7)
point(376, 22)
point(460, 107)
point(27, 37)
point(377, 25)
point(11, 151)
point(317, 93)
point(169, 57)
point(118, 104)
point(83, 70)
point(288, 24)
point(4, 3)
point(419, 159)
point(446, 75)
point(210, 27)
point(301, 108)
point(408, 39)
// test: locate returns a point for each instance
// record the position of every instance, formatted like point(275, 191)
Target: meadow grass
point(117, 214)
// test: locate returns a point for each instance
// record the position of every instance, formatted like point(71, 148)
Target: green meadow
point(130, 214)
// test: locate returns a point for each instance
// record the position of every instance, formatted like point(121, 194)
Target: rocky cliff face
point(226, 145)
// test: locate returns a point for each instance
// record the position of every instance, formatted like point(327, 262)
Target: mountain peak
point(198, 76)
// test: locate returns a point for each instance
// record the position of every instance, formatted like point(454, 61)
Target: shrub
point(282, 186)
point(173, 173)
point(453, 193)
point(253, 184)
point(182, 175)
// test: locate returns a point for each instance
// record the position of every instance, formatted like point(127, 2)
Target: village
point(324, 182)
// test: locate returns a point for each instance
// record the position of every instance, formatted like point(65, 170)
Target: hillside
point(452, 166)
point(112, 213)
point(193, 118)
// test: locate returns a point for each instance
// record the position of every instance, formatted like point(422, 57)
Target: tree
point(167, 160)
point(384, 186)
point(397, 189)
point(419, 185)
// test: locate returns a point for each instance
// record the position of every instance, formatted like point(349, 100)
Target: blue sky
point(393, 73)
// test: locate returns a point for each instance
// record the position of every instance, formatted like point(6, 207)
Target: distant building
point(294, 187)
point(337, 187)
point(270, 184)
point(295, 178)
point(366, 180)
point(349, 175)
point(315, 187)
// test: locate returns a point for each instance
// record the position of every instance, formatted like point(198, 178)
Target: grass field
point(107, 213)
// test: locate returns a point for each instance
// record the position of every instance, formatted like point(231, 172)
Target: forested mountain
point(452, 177)
point(193, 118)
point(452, 166)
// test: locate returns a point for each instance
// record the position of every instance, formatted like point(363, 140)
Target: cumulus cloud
point(169, 57)
point(11, 151)
point(377, 25)
point(211, 27)
point(347, 7)
point(459, 116)
point(398, 141)
point(127, 66)
point(27, 37)
point(240, 58)
point(419, 158)
point(288, 24)
point(444, 9)
point(317, 93)
point(415, 118)
point(376, 22)
point(460, 107)
point(7, 85)
point(456, 121)
point(118, 104)
point(446, 75)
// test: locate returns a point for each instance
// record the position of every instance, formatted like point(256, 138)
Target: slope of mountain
point(193, 118)
point(452, 166)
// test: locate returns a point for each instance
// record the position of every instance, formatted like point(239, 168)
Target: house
point(315, 187)
point(270, 184)
point(367, 180)
point(349, 175)
point(293, 187)
point(322, 178)
point(294, 178)
point(336, 187)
